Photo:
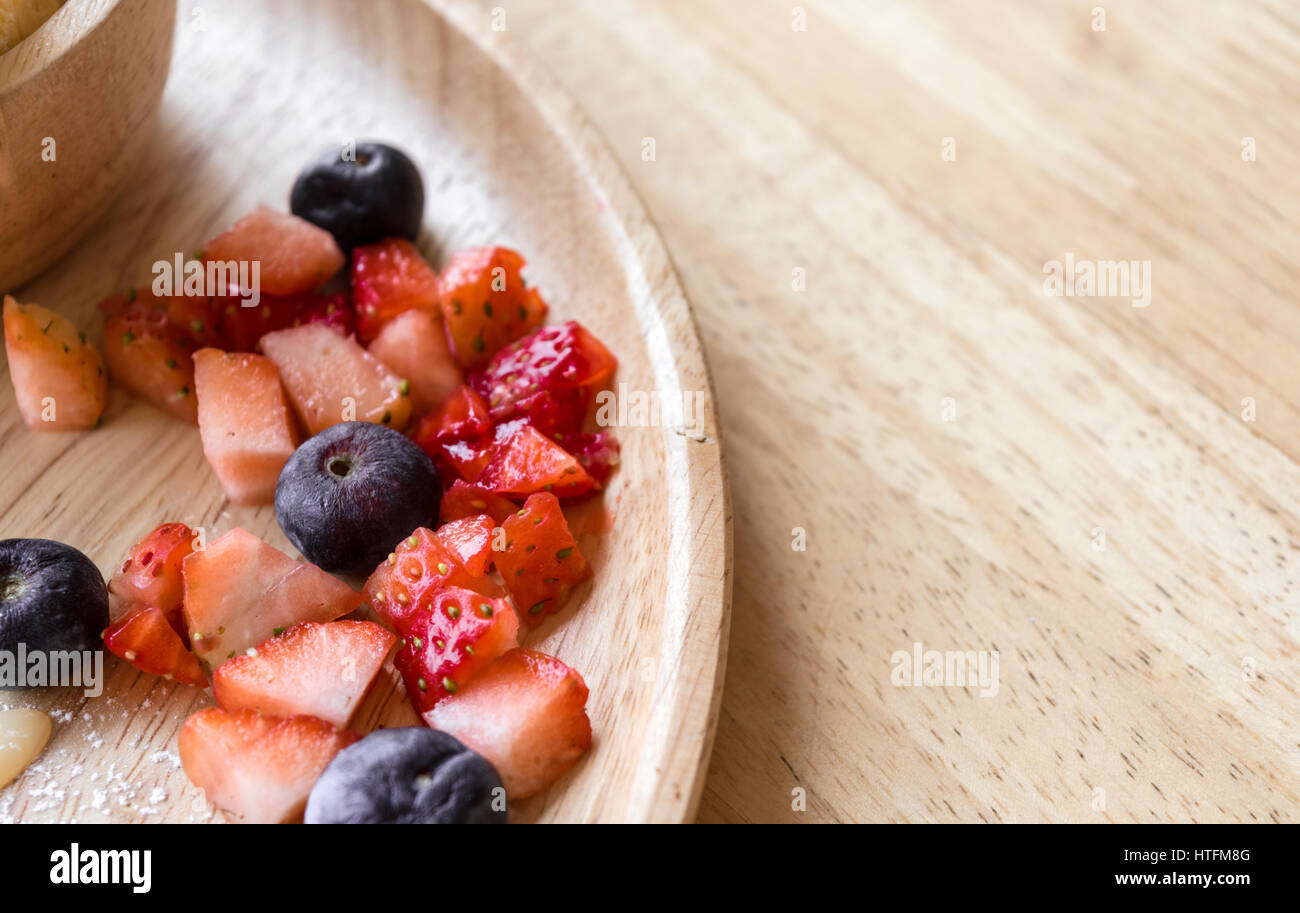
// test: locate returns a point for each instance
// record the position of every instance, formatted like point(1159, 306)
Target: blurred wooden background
point(1104, 494)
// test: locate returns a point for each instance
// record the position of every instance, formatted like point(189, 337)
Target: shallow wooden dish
point(506, 158)
point(76, 99)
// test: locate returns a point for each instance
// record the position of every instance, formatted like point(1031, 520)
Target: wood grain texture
point(507, 159)
point(1162, 669)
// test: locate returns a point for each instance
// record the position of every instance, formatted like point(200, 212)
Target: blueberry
point(348, 495)
point(407, 776)
point(379, 195)
point(52, 597)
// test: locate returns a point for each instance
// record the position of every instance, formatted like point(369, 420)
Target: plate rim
point(669, 783)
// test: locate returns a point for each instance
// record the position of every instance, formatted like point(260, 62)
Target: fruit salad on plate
point(420, 430)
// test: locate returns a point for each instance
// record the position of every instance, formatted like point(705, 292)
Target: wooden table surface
point(1105, 494)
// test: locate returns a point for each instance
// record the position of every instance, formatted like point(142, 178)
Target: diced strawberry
point(458, 435)
point(151, 573)
point(248, 432)
point(547, 376)
point(469, 540)
point(332, 379)
point(320, 670)
point(147, 640)
point(294, 255)
point(597, 453)
point(389, 278)
point(192, 318)
point(414, 345)
point(334, 311)
point(526, 713)
point(452, 641)
point(462, 416)
point(485, 303)
point(541, 563)
point(256, 767)
point(243, 325)
point(150, 357)
point(239, 590)
point(421, 565)
point(58, 376)
point(527, 461)
point(465, 499)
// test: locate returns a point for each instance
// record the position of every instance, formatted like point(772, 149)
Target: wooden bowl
point(508, 159)
point(77, 99)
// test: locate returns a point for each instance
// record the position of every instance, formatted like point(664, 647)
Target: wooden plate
point(254, 91)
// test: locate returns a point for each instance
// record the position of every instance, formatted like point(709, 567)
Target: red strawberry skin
point(525, 461)
point(452, 641)
point(389, 278)
point(596, 453)
point(547, 376)
point(151, 572)
point(258, 768)
point(469, 540)
point(147, 640)
point(457, 435)
point(541, 563)
point(485, 303)
point(320, 670)
point(332, 310)
point(465, 499)
point(526, 713)
point(418, 568)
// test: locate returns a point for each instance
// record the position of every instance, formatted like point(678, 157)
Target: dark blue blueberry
point(379, 195)
point(408, 776)
point(350, 494)
point(52, 597)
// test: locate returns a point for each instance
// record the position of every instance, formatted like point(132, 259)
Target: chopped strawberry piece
point(485, 303)
point(547, 376)
point(247, 429)
point(149, 357)
point(390, 278)
point(147, 640)
point(151, 573)
point(320, 670)
point(420, 566)
point(239, 590)
point(463, 416)
point(293, 254)
point(334, 311)
point(414, 345)
point(458, 435)
point(597, 453)
point(243, 323)
point(526, 461)
point(192, 318)
point(469, 540)
point(451, 641)
point(58, 377)
point(541, 563)
point(259, 768)
point(465, 499)
point(332, 379)
point(526, 713)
